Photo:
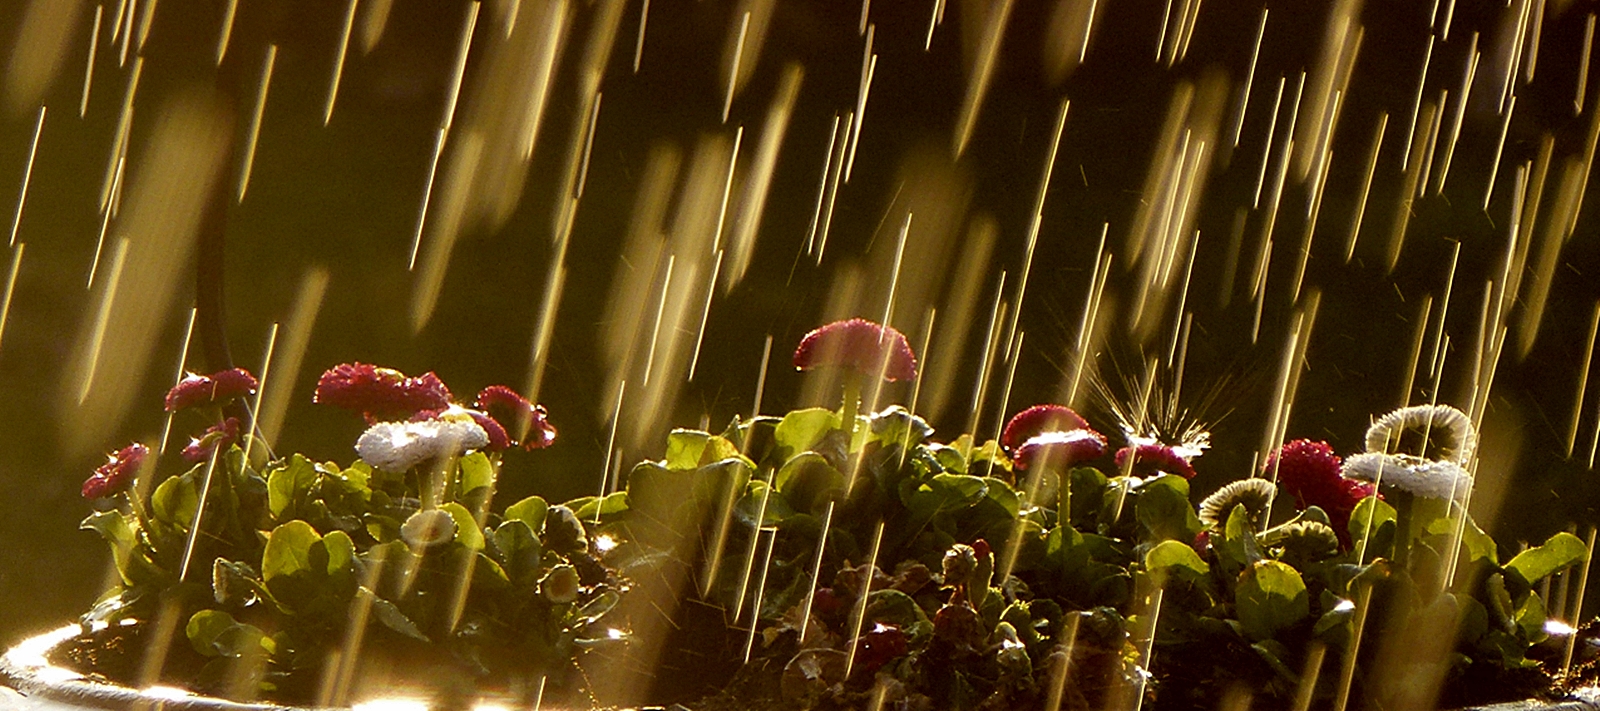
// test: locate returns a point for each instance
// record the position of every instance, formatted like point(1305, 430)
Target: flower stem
point(852, 404)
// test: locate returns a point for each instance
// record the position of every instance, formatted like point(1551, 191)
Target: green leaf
point(807, 481)
point(288, 550)
point(390, 616)
point(1172, 556)
point(205, 627)
point(1164, 509)
point(288, 483)
point(1479, 546)
point(1270, 597)
point(1372, 521)
point(476, 472)
point(684, 448)
point(118, 533)
point(467, 531)
point(530, 511)
point(946, 492)
point(175, 501)
point(1238, 547)
point(1561, 551)
point(801, 429)
point(613, 504)
point(341, 552)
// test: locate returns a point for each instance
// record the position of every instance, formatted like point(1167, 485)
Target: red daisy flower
point(1061, 449)
point(117, 474)
point(222, 386)
point(1310, 471)
point(219, 436)
point(1150, 459)
point(526, 417)
point(1038, 420)
point(860, 345)
point(380, 393)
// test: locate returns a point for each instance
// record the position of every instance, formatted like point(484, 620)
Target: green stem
point(852, 404)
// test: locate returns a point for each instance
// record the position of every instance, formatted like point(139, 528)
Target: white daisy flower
point(1422, 477)
point(399, 446)
point(1449, 433)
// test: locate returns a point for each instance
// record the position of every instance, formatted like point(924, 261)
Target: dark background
point(345, 196)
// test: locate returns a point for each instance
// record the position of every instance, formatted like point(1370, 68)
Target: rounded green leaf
point(205, 627)
point(467, 531)
point(684, 448)
point(1270, 597)
point(175, 501)
point(530, 511)
point(1172, 556)
point(801, 429)
point(288, 483)
point(476, 472)
point(808, 482)
point(1561, 551)
point(288, 550)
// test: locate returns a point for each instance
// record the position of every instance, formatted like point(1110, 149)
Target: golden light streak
point(445, 122)
point(753, 201)
point(226, 34)
point(990, 335)
point(1230, 268)
point(833, 184)
point(1266, 149)
point(116, 24)
point(733, 75)
point(869, 65)
point(1341, 44)
point(894, 280)
point(1416, 349)
point(1533, 43)
point(199, 515)
point(1416, 107)
point(105, 222)
point(1249, 81)
point(341, 664)
point(816, 572)
point(859, 615)
point(1307, 687)
point(1013, 354)
point(638, 47)
point(761, 588)
point(1449, 14)
point(1461, 112)
point(1552, 237)
point(1518, 35)
point(1433, 143)
point(299, 326)
point(1589, 147)
point(1583, 379)
point(88, 70)
point(145, 19)
point(727, 191)
point(119, 142)
point(1583, 64)
point(750, 551)
point(183, 361)
point(611, 444)
point(661, 307)
point(822, 187)
point(1152, 612)
point(42, 42)
point(1258, 290)
point(1439, 337)
point(1347, 664)
point(338, 61)
point(981, 73)
point(705, 313)
point(1038, 213)
point(253, 431)
point(1408, 192)
point(960, 305)
point(1061, 663)
point(11, 285)
point(127, 32)
point(254, 133)
point(719, 538)
point(1161, 39)
point(1183, 48)
point(1183, 297)
point(1499, 148)
point(555, 279)
point(1583, 584)
point(1088, 331)
point(102, 320)
point(933, 21)
point(865, 28)
point(374, 23)
point(27, 176)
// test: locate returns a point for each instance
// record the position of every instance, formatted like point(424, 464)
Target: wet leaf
point(288, 483)
point(1372, 527)
point(175, 501)
point(531, 511)
point(288, 550)
point(1270, 597)
point(476, 472)
point(1164, 510)
point(1169, 557)
point(1561, 551)
point(946, 492)
point(118, 533)
point(391, 617)
point(800, 430)
point(808, 482)
point(467, 531)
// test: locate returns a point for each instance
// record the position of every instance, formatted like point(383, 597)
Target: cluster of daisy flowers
point(411, 420)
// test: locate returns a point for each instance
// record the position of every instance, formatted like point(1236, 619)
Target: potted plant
point(864, 563)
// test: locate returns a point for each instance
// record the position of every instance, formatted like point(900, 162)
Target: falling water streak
point(611, 443)
point(252, 430)
point(335, 689)
point(1583, 65)
point(225, 35)
point(705, 313)
point(1583, 379)
point(982, 71)
point(126, 20)
point(1486, 386)
point(1091, 314)
point(638, 45)
point(1266, 151)
point(661, 307)
point(1508, 84)
point(254, 132)
point(1183, 298)
point(102, 318)
point(869, 67)
point(1552, 238)
point(761, 378)
point(88, 70)
point(1416, 107)
point(1449, 14)
point(888, 299)
point(1060, 669)
point(1281, 393)
point(1416, 349)
point(1314, 211)
point(837, 162)
point(548, 305)
point(299, 326)
point(1499, 149)
point(119, 144)
point(338, 61)
point(816, 571)
point(1347, 666)
point(588, 148)
point(1088, 29)
point(1183, 48)
point(1183, 358)
point(1161, 38)
point(727, 191)
point(445, 121)
point(116, 23)
point(1583, 584)
point(1461, 113)
point(933, 21)
point(1533, 43)
point(750, 555)
point(1478, 343)
point(27, 176)
point(733, 74)
point(761, 588)
point(758, 186)
point(1038, 216)
point(1307, 687)
point(1434, 132)
point(1444, 311)
point(1324, 156)
point(199, 515)
point(822, 187)
point(145, 19)
point(1259, 292)
point(183, 363)
point(1589, 146)
point(1249, 80)
point(538, 697)
point(859, 615)
point(11, 285)
point(1012, 356)
point(1147, 654)
point(989, 337)
point(1408, 192)
point(1273, 203)
point(719, 540)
